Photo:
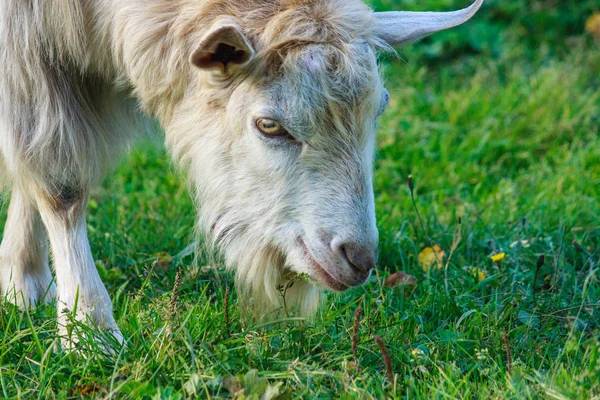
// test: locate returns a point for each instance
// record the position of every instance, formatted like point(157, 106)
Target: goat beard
point(267, 289)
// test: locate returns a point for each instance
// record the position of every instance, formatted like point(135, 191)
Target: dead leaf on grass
point(592, 26)
point(400, 279)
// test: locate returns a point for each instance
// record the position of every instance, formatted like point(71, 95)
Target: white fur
point(25, 277)
point(75, 71)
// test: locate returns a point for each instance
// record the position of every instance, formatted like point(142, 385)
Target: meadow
point(498, 123)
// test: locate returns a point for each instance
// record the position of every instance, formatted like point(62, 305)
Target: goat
point(270, 105)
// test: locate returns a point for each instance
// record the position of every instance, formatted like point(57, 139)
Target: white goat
point(271, 105)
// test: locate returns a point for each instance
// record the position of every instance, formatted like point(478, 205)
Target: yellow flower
point(477, 273)
point(431, 257)
point(498, 257)
point(481, 275)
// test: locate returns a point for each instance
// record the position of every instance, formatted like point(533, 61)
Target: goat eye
point(385, 102)
point(271, 128)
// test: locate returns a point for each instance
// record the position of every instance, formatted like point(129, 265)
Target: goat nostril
point(361, 258)
point(343, 251)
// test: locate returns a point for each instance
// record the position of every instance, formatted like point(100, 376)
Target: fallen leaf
point(400, 279)
point(89, 389)
point(163, 256)
point(592, 26)
point(431, 257)
point(163, 261)
point(233, 386)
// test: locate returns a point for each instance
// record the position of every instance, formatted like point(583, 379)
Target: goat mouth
point(322, 275)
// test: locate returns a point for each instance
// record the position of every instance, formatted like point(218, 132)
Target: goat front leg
point(25, 278)
point(80, 290)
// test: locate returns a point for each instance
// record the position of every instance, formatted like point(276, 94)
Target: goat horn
point(401, 27)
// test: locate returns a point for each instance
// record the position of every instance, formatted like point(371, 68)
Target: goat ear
point(222, 47)
point(400, 27)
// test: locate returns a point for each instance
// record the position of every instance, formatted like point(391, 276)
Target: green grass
point(508, 140)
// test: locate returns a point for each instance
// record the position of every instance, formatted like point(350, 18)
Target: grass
point(508, 142)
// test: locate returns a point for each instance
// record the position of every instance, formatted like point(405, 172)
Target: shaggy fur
point(75, 71)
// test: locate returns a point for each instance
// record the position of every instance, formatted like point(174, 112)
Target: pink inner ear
point(203, 60)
